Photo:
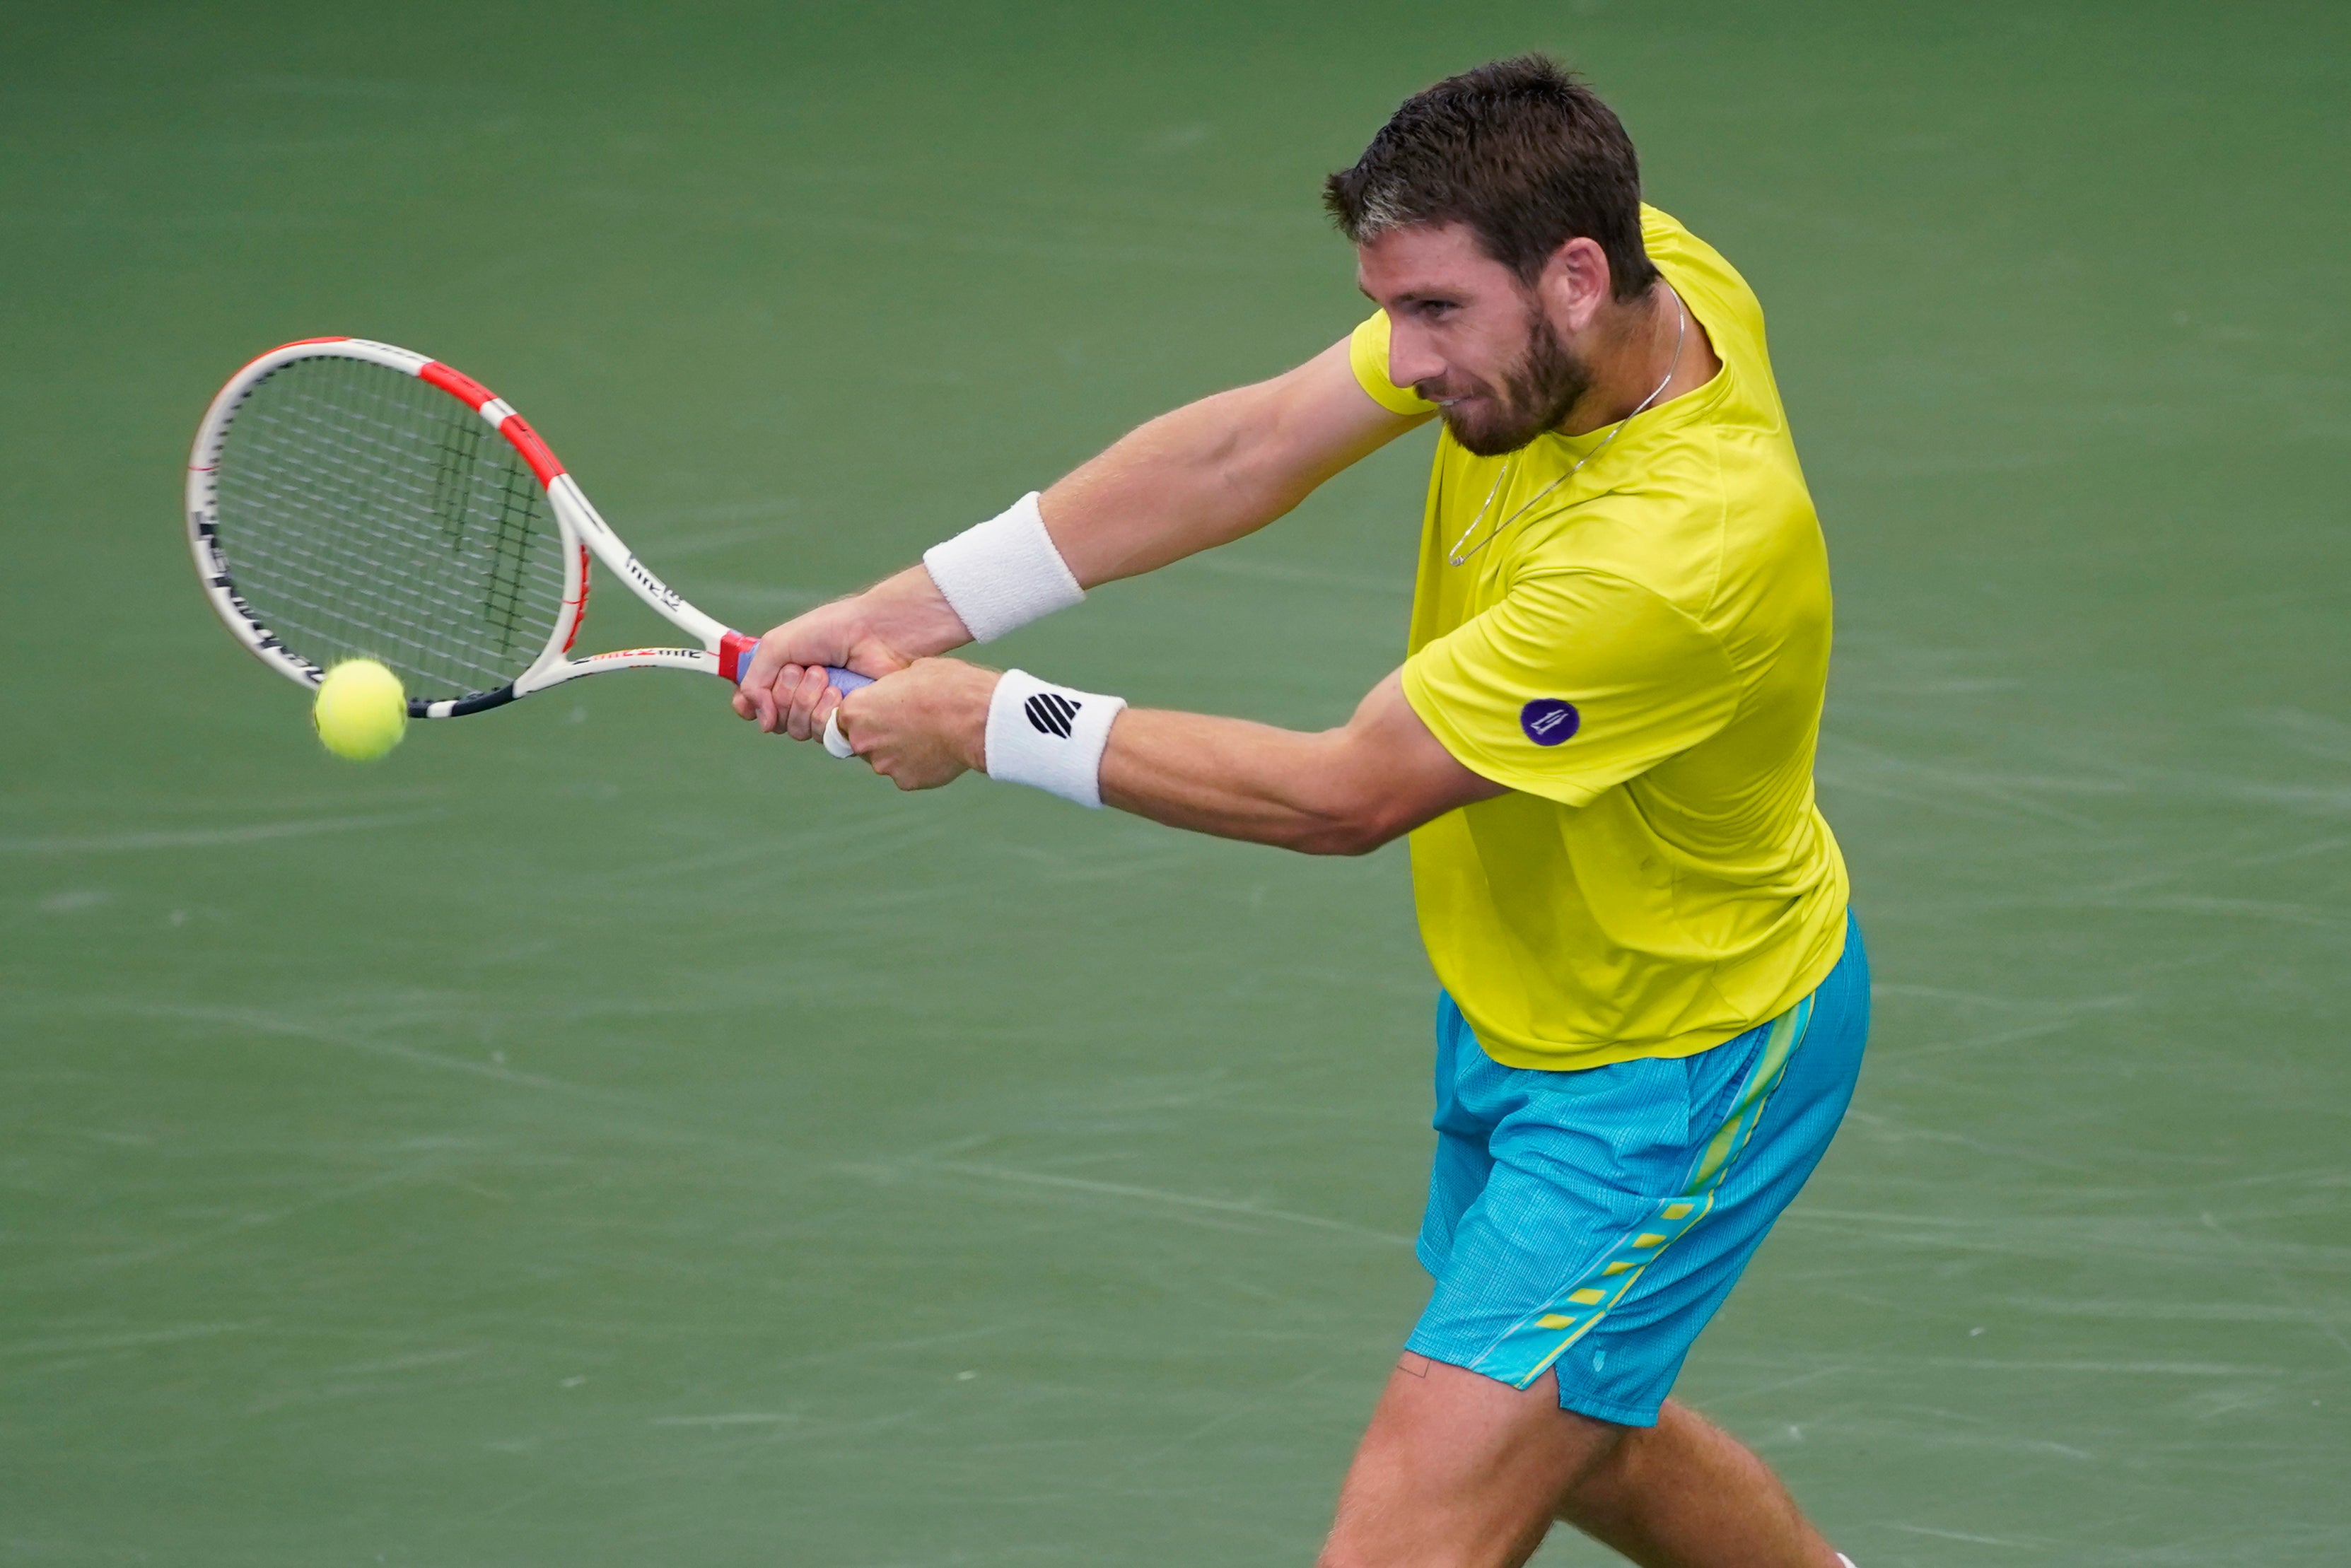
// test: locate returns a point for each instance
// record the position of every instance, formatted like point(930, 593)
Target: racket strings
point(363, 512)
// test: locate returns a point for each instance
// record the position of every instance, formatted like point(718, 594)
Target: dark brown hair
point(1523, 153)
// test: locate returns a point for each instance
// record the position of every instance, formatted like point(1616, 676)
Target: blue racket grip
point(844, 682)
point(734, 652)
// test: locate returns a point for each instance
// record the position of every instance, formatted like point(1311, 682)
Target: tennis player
point(1601, 744)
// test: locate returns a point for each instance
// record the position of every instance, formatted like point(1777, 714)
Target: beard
point(1537, 394)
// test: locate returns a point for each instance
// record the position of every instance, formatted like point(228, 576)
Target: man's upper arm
point(1309, 422)
point(1367, 355)
point(1215, 470)
point(1397, 773)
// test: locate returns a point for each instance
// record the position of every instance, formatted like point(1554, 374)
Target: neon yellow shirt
point(1641, 658)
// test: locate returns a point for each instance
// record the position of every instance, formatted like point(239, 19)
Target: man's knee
point(1604, 1440)
point(1644, 1458)
point(1459, 1469)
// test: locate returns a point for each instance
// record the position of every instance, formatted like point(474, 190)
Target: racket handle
point(734, 652)
point(735, 657)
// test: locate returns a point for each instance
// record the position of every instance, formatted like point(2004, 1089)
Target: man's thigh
point(1458, 1470)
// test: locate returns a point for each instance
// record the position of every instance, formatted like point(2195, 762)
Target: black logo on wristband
point(1050, 712)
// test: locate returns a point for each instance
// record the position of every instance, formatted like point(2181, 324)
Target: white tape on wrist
point(1000, 575)
point(1048, 737)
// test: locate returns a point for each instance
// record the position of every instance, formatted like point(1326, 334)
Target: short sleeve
point(1575, 682)
point(1367, 351)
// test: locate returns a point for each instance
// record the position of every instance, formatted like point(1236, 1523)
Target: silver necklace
point(1457, 556)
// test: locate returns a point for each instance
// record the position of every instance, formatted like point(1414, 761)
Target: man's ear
point(1573, 284)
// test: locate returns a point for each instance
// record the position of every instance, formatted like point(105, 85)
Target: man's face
point(1468, 336)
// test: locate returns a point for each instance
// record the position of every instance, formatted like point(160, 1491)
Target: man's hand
point(881, 630)
point(924, 727)
point(785, 692)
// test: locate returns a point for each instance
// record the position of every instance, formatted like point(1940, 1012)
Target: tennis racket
point(349, 499)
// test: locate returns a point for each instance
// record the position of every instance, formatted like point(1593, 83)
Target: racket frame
point(584, 536)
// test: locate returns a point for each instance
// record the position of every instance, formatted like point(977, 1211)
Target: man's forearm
point(1241, 781)
point(1340, 791)
point(1182, 484)
point(907, 611)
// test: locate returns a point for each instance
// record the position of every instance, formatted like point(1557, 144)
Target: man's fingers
point(795, 700)
point(767, 661)
point(840, 715)
point(788, 681)
point(771, 705)
point(836, 731)
point(797, 691)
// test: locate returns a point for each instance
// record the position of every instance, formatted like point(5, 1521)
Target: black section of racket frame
point(480, 701)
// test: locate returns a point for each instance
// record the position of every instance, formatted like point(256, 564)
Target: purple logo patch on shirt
point(1548, 721)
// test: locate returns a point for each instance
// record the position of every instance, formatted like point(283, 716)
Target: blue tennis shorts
point(1588, 1224)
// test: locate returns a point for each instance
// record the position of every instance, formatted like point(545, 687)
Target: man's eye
point(1435, 309)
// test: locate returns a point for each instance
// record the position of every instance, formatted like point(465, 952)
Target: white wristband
point(1000, 575)
point(1051, 737)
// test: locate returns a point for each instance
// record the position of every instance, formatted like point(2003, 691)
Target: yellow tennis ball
point(361, 711)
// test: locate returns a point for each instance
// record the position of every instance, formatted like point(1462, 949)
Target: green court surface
point(601, 1135)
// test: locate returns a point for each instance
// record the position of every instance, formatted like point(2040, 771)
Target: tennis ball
point(361, 711)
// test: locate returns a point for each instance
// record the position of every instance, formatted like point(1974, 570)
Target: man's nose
point(1411, 358)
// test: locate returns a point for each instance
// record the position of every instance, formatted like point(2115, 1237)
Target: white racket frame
point(723, 653)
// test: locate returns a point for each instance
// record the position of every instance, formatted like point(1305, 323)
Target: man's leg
point(1458, 1470)
point(1582, 1228)
point(1685, 1494)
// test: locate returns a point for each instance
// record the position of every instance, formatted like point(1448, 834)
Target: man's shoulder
point(1614, 554)
point(1696, 531)
point(1720, 296)
point(1689, 263)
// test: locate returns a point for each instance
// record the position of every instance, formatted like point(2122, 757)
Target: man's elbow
point(1350, 828)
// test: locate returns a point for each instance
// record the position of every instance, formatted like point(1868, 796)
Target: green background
point(600, 1134)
